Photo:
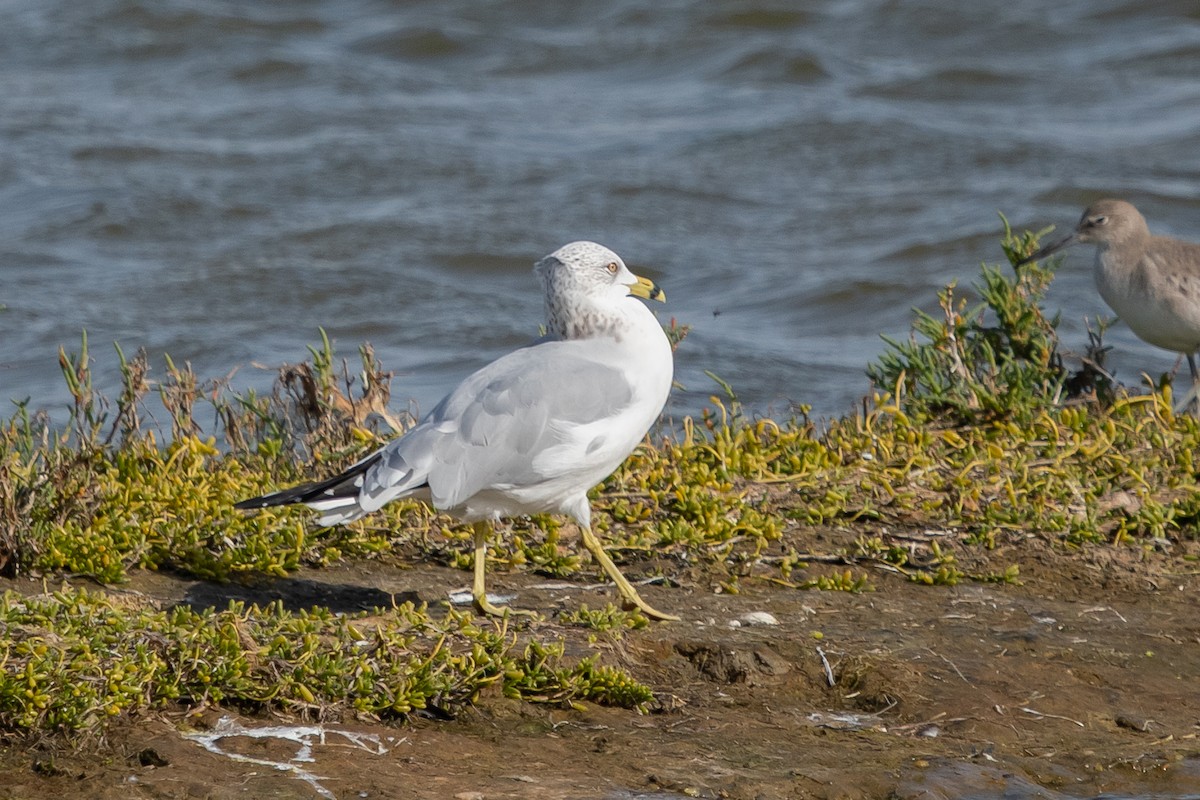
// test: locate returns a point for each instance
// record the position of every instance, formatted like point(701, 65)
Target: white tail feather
point(337, 510)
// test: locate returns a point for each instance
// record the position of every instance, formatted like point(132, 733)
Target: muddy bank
point(1078, 682)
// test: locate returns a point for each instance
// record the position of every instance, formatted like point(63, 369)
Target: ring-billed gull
point(1152, 282)
point(534, 430)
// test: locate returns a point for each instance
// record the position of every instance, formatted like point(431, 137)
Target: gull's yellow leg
point(478, 594)
point(626, 589)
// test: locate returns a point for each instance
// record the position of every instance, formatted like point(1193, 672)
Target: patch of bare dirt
point(1081, 681)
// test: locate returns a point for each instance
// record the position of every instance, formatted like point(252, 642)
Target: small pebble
point(758, 618)
point(1133, 722)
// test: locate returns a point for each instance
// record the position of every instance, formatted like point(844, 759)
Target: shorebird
point(534, 430)
point(1151, 282)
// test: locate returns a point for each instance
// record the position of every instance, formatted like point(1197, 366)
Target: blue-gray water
point(216, 179)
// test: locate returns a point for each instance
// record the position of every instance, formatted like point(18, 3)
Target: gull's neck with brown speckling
point(575, 314)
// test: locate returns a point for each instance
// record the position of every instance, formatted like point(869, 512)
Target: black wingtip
point(282, 498)
point(252, 503)
point(311, 491)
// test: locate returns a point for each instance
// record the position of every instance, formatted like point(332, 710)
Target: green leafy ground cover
point(982, 426)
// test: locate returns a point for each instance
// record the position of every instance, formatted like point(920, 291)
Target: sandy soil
point(1081, 681)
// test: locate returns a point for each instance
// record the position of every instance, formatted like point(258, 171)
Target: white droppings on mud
point(753, 618)
point(305, 737)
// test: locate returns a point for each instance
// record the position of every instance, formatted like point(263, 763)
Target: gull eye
point(1100, 220)
point(612, 268)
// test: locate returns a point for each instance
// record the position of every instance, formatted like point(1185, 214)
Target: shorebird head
point(1109, 222)
point(1105, 223)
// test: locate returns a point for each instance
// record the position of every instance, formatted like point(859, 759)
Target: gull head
point(585, 284)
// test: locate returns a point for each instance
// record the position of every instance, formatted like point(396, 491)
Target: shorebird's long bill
point(1049, 249)
point(647, 289)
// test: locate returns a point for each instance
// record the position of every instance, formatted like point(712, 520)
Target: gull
point(1151, 282)
point(535, 429)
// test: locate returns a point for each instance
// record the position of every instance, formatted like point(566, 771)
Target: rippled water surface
point(217, 179)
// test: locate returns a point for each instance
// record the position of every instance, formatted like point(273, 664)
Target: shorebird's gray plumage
point(1151, 282)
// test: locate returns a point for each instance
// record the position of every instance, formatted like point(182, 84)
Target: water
point(216, 179)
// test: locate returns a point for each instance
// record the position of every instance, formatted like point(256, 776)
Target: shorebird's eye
point(1100, 220)
point(612, 268)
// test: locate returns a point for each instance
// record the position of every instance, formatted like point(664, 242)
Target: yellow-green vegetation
point(72, 659)
point(608, 619)
point(979, 432)
point(997, 359)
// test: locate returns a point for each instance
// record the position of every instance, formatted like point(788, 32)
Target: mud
point(1079, 682)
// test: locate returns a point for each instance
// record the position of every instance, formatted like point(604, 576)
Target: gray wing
point(488, 431)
